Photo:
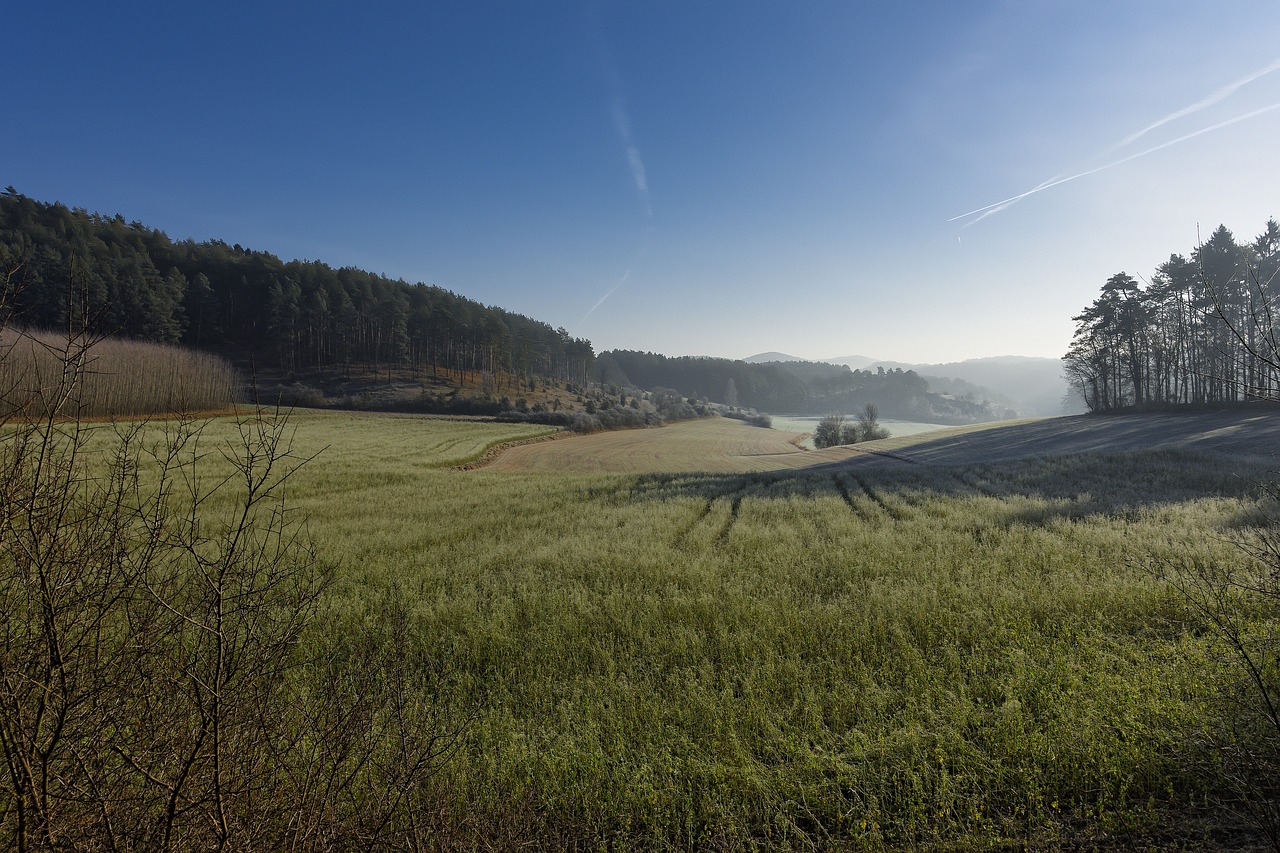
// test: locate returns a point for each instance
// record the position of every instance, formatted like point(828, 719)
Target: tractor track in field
point(734, 509)
point(893, 512)
point(857, 510)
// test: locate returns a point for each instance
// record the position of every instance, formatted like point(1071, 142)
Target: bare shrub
point(162, 683)
point(112, 377)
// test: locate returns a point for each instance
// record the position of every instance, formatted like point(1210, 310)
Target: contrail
point(621, 119)
point(998, 206)
point(601, 300)
point(1216, 97)
point(1052, 182)
point(625, 276)
point(622, 123)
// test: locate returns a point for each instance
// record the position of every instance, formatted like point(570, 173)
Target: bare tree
point(162, 684)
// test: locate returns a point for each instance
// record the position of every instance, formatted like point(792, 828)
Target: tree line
point(1196, 333)
point(134, 281)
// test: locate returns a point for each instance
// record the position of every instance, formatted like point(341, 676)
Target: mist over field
point(1031, 387)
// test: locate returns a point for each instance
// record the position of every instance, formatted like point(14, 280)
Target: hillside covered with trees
point(793, 387)
point(1200, 331)
point(133, 281)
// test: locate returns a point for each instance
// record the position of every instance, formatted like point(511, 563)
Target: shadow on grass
point(1245, 431)
point(1034, 490)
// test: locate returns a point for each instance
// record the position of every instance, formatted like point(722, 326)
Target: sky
point(922, 181)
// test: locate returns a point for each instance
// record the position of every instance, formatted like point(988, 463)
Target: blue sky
point(717, 178)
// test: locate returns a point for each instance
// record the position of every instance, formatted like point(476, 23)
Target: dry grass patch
point(711, 444)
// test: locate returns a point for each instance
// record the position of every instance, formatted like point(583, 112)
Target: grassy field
point(688, 650)
point(732, 446)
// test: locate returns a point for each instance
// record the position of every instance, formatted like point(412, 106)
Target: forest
point(135, 282)
point(1196, 332)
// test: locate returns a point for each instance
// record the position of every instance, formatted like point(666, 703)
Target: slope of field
point(727, 446)
point(1236, 432)
point(713, 444)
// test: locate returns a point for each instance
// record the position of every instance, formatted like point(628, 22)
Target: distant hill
point(855, 362)
point(761, 358)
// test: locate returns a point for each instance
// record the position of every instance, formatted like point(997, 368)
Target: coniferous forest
point(1200, 331)
point(129, 280)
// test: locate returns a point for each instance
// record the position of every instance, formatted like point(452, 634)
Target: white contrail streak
point(998, 206)
point(621, 120)
point(601, 300)
point(625, 276)
point(1220, 95)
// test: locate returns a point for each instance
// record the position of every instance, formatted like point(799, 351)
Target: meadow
point(927, 656)
point(697, 636)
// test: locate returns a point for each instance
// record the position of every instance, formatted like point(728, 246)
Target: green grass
point(929, 657)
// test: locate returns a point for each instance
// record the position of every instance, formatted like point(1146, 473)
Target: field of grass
point(923, 656)
point(938, 656)
point(733, 446)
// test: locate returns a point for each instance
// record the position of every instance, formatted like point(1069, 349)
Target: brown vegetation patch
point(43, 373)
point(712, 444)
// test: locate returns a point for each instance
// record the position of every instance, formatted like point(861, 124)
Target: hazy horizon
point(925, 184)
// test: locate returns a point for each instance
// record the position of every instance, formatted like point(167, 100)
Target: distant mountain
point(1033, 386)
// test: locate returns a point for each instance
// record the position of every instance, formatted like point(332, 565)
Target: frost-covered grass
point(952, 656)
